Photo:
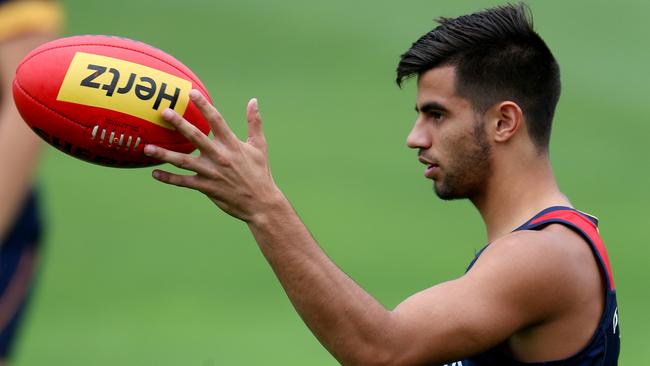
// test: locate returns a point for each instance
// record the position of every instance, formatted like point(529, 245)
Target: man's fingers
point(180, 160)
point(255, 132)
point(195, 182)
point(191, 132)
point(188, 181)
point(217, 124)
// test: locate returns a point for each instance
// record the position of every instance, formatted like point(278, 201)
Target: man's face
point(450, 137)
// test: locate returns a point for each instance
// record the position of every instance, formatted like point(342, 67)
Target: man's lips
point(431, 171)
point(432, 168)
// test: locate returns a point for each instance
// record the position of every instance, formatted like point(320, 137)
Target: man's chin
point(445, 193)
point(441, 192)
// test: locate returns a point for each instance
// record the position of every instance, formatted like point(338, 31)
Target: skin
point(19, 146)
point(509, 299)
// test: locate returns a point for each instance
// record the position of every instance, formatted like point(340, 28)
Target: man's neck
point(514, 194)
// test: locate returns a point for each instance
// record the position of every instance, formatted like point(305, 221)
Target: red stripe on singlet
point(589, 228)
point(18, 287)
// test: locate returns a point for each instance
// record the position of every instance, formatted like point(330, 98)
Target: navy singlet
point(604, 346)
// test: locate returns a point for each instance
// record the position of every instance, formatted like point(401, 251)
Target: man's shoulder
point(541, 268)
point(554, 245)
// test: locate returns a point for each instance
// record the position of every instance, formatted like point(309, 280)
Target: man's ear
point(506, 119)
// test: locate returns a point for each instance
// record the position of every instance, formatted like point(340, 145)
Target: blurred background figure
point(24, 25)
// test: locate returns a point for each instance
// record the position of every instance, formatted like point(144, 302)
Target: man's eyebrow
point(431, 106)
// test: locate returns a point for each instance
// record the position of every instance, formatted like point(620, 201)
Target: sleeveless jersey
point(604, 346)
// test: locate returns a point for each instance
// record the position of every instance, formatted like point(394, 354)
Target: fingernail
point(256, 105)
point(168, 113)
point(194, 94)
point(149, 150)
point(155, 174)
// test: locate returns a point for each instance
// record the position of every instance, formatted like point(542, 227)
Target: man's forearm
point(349, 322)
point(19, 148)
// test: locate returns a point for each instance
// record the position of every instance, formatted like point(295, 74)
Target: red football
point(100, 98)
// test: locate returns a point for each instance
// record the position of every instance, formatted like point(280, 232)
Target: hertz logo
point(124, 86)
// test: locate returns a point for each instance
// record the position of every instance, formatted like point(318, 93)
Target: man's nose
point(418, 138)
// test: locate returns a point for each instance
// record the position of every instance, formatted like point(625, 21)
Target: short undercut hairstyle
point(497, 56)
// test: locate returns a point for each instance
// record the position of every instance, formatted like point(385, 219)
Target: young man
point(540, 293)
point(23, 26)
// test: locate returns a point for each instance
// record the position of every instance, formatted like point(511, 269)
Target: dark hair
point(498, 56)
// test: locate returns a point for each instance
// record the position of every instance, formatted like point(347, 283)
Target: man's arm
point(445, 322)
point(19, 146)
point(509, 288)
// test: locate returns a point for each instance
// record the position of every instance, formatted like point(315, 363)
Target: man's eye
point(435, 115)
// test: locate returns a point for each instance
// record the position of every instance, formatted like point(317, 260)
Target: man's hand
point(233, 174)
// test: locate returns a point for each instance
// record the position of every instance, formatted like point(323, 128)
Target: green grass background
point(139, 273)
